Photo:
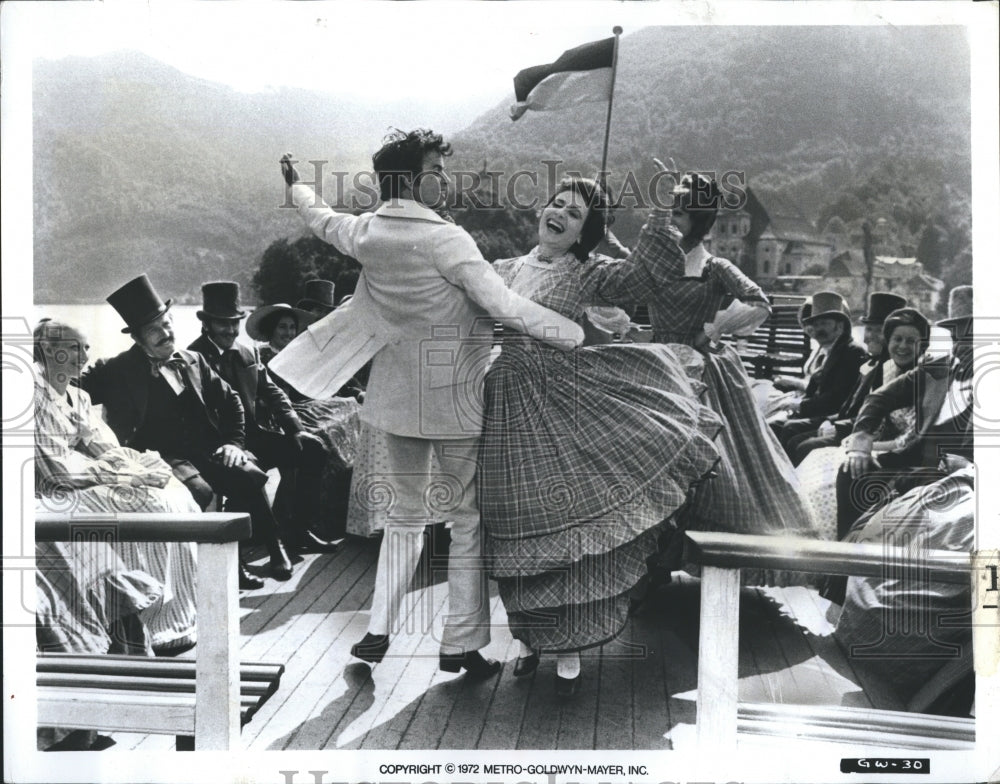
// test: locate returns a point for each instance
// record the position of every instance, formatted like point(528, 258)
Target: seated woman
point(905, 333)
point(333, 420)
point(583, 454)
point(80, 467)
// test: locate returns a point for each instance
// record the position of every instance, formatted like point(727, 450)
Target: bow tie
point(174, 362)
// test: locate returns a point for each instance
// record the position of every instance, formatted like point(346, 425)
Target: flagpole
point(611, 99)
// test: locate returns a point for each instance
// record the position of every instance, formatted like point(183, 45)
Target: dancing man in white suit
point(424, 310)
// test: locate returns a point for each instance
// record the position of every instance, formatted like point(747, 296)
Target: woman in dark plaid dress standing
point(584, 454)
point(694, 299)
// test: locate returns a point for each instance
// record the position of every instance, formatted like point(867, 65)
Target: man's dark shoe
point(526, 665)
point(248, 582)
point(472, 662)
point(372, 648)
point(280, 566)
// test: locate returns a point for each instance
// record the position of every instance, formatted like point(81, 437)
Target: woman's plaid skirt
point(585, 456)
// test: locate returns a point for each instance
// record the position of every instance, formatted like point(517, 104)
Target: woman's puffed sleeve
point(734, 281)
point(459, 261)
point(655, 263)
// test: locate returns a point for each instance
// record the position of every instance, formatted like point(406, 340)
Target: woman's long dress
point(756, 491)
point(81, 468)
point(818, 472)
point(583, 455)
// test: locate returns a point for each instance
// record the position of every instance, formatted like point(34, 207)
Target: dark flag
point(580, 75)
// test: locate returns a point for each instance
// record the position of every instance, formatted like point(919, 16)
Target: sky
point(452, 55)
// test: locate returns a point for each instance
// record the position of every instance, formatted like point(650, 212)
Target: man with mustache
point(838, 363)
point(157, 397)
point(274, 434)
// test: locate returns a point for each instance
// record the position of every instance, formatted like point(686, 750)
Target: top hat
point(805, 311)
point(880, 305)
point(318, 297)
point(829, 304)
point(959, 306)
point(138, 303)
point(221, 300)
point(263, 320)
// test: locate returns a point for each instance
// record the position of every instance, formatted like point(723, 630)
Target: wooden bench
point(777, 346)
point(207, 698)
point(720, 717)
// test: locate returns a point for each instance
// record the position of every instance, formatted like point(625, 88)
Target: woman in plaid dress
point(693, 301)
point(583, 454)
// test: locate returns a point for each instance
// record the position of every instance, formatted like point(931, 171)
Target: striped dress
point(584, 455)
point(80, 468)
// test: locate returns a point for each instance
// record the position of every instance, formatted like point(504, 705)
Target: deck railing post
point(718, 657)
point(217, 668)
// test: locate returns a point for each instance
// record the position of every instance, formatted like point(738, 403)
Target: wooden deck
point(637, 693)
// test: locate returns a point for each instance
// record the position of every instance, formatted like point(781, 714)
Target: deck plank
point(316, 656)
point(403, 679)
point(502, 725)
point(614, 726)
point(473, 703)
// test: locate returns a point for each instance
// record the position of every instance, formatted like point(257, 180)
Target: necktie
point(173, 362)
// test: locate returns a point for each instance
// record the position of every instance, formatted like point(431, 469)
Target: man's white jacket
point(424, 309)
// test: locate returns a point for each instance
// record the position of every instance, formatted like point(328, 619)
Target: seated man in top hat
point(274, 434)
point(171, 401)
point(835, 427)
point(838, 362)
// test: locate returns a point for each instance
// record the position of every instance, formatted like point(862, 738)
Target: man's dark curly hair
point(401, 157)
point(599, 216)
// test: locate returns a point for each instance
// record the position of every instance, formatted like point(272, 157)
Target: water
point(103, 326)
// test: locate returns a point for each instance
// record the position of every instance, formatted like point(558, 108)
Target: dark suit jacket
point(830, 386)
point(925, 387)
point(121, 385)
point(844, 419)
point(265, 404)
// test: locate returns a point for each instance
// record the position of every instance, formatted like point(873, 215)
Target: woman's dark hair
point(699, 197)
point(269, 323)
point(907, 317)
point(599, 215)
point(401, 158)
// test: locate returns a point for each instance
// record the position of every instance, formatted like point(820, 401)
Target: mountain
point(802, 111)
point(140, 167)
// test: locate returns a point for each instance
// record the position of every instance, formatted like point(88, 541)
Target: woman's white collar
point(694, 261)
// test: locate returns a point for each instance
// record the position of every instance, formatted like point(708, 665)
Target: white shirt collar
point(216, 345)
point(408, 208)
point(694, 261)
